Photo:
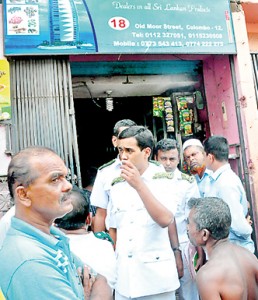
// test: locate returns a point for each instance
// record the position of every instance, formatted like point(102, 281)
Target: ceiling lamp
point(109, 101)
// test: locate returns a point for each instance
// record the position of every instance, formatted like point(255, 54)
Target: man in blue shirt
point(35, 259)
point(225, 184)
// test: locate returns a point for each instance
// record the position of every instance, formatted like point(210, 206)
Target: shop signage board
point(58, 27)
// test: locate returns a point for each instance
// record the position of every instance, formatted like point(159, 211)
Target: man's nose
point(123, 156)
point(67, 186)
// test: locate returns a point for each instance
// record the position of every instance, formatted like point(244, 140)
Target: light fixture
point(109, 101)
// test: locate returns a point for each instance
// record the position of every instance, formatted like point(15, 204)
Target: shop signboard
point(5, 99)
point(58, 27)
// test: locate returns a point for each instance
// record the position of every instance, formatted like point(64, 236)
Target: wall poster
point(5, 98)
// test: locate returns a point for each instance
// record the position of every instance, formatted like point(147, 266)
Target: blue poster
point(58, 27)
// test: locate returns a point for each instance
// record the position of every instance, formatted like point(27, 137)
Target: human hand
point(130, 173)
point(87, 280)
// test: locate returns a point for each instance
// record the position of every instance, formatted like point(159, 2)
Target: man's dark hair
point(76, 218)
point(91, 173)
point(21, 171)
point(218, 146)
point(166, 145)
point(142, 134)
point(213, 214)
point(122, 123)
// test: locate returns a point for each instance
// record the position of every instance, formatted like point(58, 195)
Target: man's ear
point(211, 157)
point(147, 151)
point(114, 141)
point(205, 235)
point(22, 196)
point(89, 219)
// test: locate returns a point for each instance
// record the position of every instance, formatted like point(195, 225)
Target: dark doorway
point(95, 126)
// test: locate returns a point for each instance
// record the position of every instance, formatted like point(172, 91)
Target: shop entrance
point(101, 100)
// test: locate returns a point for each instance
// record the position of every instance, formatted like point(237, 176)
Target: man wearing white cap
point(194, 157)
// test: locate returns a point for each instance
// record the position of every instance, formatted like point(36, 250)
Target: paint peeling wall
point(220, 98)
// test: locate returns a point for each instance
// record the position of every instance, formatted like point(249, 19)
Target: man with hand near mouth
point(142, 208)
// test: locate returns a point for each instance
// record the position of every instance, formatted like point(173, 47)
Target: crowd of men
point(159, 233)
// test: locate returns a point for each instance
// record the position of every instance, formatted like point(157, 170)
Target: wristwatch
point(178, 248)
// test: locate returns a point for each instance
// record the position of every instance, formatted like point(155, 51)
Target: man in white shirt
point(97, 253)
point(100, 192)
point(141, 210)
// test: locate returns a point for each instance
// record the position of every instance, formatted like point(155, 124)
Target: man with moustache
point(35, 259)
point(194, 156)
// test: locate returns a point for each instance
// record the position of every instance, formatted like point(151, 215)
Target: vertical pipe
point(14, 108)
point(73, 125)
point(242, 142)
point(58, 129)
point(67, 119)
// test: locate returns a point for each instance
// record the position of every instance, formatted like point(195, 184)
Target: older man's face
point(195, 159)
point(48, 194)
point(193, 233)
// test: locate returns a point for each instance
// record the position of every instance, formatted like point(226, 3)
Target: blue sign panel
point(53, 27)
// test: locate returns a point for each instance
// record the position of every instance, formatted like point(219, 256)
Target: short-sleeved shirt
point(96, 253)
point(145, 261)
point(100, 191)
point(226, 185)
point(35, 265)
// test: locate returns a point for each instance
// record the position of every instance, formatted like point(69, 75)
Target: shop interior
point(169, 105)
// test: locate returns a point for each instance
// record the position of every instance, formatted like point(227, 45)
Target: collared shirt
point(145, 261)
point(204, 182)
point(35, 265)
point(226, 185)
point(100, 191)
point(187, 190)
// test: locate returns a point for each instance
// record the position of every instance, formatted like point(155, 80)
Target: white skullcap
point(192, 142)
